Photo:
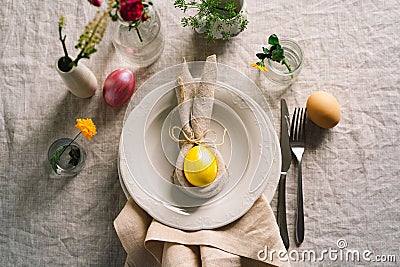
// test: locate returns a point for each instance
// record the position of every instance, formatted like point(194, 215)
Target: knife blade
point(286, 161)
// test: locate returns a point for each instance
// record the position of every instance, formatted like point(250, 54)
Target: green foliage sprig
point(92, 36)
point(113, 7)
point(74, 153)
point(274, 53)
point(212, 14)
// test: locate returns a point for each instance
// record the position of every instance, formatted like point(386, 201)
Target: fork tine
point(298, 135)
point(300, 125)
point(297, 124)
point(300, 122)
point(303, 124)
point(293, 125)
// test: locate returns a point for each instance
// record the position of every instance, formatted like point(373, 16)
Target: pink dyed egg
point(118, 87)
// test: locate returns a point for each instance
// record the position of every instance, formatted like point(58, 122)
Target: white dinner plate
point(156, 167)
point(147, 181)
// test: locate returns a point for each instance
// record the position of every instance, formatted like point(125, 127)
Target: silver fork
point(297, 144)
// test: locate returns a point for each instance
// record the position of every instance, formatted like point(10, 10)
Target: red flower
point(95, 2)
point(131, 10)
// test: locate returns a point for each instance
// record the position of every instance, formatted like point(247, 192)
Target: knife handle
point(300, 209)
point(282, 210)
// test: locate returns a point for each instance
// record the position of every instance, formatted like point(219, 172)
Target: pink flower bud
point(95, 2)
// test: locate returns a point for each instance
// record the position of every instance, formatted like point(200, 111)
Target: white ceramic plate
point(184, 212)
point(153, 175)
point(157, 164)
point(273, 176)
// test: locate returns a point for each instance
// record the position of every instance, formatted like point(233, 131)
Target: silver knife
point(286, 160)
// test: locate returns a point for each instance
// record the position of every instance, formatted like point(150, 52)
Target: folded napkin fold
point(148, 242)
point(195, 105)
point(241, 243)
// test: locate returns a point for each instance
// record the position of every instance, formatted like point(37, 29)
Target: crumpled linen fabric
point(350, 173)
point(236, 244)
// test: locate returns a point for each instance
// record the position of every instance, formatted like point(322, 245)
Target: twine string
point(199, 140)
point(188, 139)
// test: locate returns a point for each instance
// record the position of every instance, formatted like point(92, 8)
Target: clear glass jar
point(277, 72)
point(65, 165)
point(143, 46)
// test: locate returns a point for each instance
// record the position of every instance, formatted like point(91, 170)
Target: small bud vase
point(143, 45)
point(67, 165)
point(80, 80)
point(277, 72)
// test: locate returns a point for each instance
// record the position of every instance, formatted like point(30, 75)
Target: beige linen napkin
point(148, 242)
point(195, 102)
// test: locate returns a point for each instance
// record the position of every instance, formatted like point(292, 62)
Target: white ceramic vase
point(80, 80)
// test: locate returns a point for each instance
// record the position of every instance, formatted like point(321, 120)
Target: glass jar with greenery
point(216, 19)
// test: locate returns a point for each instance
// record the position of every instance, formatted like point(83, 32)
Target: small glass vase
point(66, 166)
point(142, 46)
point(277, 72)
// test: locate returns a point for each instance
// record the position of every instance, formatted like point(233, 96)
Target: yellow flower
point(259, 66)
point(87, 127)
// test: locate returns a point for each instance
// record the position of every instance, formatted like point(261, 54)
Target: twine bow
point(192, 139)
point(198, 141)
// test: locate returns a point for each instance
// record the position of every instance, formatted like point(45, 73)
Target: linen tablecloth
point(351, 172)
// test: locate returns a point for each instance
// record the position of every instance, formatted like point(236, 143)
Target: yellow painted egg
point(200, 166)
point(323, 109)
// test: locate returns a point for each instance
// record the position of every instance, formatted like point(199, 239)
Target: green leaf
point(273, 40)
point(75, 155)
point(243, 25)
point(274, 53)
point(261, 63)
point(261, 56)
point(277, 54)
point(226, 35)
point(55, 157)
point(267, 52)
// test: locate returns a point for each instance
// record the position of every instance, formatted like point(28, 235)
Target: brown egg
point(323, 109)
